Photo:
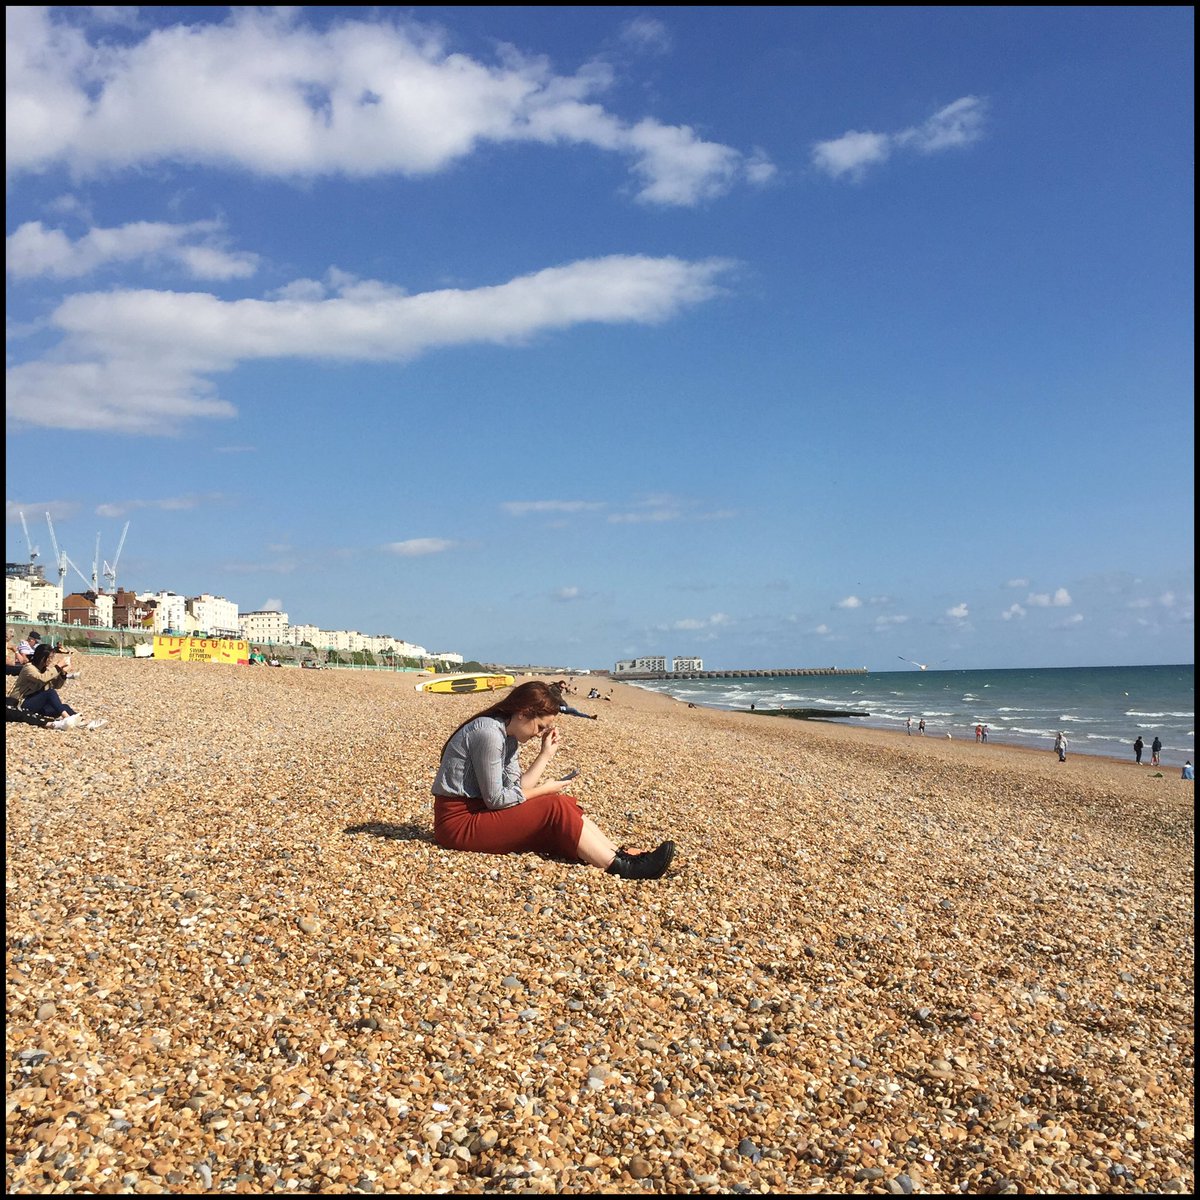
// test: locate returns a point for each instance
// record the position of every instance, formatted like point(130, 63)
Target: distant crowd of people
point(1061, 742)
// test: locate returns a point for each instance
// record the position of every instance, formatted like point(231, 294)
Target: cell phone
point(569, 775)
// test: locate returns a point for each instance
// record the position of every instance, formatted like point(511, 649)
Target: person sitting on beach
point(484, 802)
point(36, 688)
point(14, 660)
point(1188, 772)
point(566, 709)
point(29, 644)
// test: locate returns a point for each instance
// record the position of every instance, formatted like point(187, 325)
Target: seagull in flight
point(914, 662)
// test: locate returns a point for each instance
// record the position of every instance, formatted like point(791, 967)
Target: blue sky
point(782, 337)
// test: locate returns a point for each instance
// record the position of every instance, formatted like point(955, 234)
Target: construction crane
point(96, 566)
point(110, 573)
point(61, 561)
point(33, 550)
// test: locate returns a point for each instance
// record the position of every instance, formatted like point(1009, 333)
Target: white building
point(687, 664)
point(31, 598)
point(447, 657)
point(46, 599)
point(18, 602)
point(102, 613)
point(647, 663)
point(299, 634)
point(169, 611)
point(213, 615)
point(266, 625)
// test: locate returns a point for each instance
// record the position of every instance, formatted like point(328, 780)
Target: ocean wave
point(1135, 713)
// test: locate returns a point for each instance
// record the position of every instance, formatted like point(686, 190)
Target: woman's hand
point(550, 743)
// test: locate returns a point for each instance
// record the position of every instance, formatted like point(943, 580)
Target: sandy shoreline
point(238, 962)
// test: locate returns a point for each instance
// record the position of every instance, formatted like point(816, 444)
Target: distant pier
point(772, 674)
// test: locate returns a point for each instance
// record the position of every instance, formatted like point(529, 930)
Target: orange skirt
point(547, 824)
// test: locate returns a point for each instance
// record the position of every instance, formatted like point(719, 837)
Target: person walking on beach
point(484, 802)
point(908, 726)
point(983, 734)
point(1155, 750)
point(1060, 746)
point(921, 726)
point(979, 733)
point(1138, 747)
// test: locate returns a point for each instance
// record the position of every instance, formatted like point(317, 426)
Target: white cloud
point(33, 250)
point(850, 602)
point(522, 508)
point(822, 630)
point(139, 361)
point(888, 622)
point(647, 33)
point(958, 612)
point(568, 593)
point(1073, 619)
point(266, 92)
point(418, 547)
point(653, 508)
point(1014, 610)
point(1017, 583)
point(851, 155)
point(35, 512)
point(694, 624)
point(274, 604)
point(1060, 599)
point(121, 508)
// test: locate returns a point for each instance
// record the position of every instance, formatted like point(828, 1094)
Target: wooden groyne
point(774, 673)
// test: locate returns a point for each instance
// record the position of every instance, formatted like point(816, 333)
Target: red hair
point(533, 699)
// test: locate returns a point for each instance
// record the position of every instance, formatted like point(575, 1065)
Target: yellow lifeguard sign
point(189, 649)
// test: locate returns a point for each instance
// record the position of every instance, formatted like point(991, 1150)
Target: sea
point(1102, 710)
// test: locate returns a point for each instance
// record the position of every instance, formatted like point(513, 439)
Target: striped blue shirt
point(481, 762)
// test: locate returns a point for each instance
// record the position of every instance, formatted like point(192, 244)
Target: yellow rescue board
point(466, 683)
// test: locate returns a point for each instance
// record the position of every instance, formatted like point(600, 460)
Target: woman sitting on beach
point(484, 802)
point(36, 688)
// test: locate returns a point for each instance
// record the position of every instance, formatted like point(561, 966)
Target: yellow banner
point(188, 649)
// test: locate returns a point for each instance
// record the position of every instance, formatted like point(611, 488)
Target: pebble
point(873, 967)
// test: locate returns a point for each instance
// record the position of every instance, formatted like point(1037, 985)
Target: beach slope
point(237, 961)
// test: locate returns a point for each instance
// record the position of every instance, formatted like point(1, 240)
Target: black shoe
point(643, 866)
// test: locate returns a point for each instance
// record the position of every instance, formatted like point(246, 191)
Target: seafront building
point(266, 625)
point(29, 599)
point(214, 615)
point(650, 662)
point(163, 611)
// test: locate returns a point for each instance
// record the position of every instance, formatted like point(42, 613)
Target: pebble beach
point(238, 962)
